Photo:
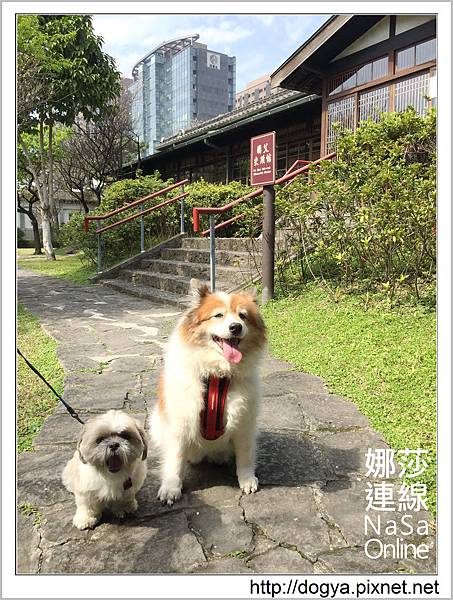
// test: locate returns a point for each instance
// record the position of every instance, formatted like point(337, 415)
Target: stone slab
point(228, 565)
point(304, 459)
point(27, 537)
point(288, 516)
point(281, 560)
point(162, 545)
point(292, 382)
point(39, 476)
point(330, 412)
point(282, 412)
point(219, 522)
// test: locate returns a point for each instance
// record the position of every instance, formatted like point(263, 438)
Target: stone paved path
point(306, 518)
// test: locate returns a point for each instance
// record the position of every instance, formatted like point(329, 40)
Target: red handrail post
point(85, 224)
point(196, 220)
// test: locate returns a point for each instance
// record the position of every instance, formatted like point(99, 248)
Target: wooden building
point(218, 150)
point(353, 68)
point(363, 65)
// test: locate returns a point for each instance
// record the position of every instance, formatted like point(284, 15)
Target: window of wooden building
point(389, 83)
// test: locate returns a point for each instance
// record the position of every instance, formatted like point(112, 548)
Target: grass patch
point(35, 400)
point(382, 359)
point(67, 266)
point(29, 510)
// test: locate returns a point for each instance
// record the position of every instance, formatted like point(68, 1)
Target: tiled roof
point(279, 98)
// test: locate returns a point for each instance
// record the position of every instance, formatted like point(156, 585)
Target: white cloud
point(217, 37)
point(260, 42)
point(124, 30)
point(251, 69)
point(266, 20)
point(298, 30)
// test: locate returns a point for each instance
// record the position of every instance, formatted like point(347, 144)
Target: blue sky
point(259, 42)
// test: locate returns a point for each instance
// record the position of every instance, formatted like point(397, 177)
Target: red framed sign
point(262, 159)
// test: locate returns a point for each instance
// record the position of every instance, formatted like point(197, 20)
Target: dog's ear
point(79, 444)
point(198, 289)
point(253, 293)
point(144, 438)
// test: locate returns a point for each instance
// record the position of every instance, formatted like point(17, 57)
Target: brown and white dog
point(219, 339)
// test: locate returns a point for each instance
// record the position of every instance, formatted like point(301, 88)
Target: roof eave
point(280, 76)
point(175, 145)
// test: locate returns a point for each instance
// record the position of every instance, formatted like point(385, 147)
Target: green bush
point(369, 217)
point(202, 193)
point(124, 240)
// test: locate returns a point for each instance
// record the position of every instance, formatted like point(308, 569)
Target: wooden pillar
point(324, 118)
point(268, 242)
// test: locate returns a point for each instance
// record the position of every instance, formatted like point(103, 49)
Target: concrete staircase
point(164, 277)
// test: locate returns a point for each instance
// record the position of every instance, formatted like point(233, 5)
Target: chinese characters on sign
point(262, 159)
point(407, 500)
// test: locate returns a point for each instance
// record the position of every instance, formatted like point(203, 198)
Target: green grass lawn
point(35, 401)
point(383, 360)
point(67, 266)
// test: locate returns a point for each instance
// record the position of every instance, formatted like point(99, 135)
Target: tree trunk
point(98, 193)
point(53, 208)
point(83, 202)
point(42, 194)
point(47, 233)
point(36, 234)
point(33, 220)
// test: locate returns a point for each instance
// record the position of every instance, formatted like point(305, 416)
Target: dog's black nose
point(114, 446)
point(235, 328)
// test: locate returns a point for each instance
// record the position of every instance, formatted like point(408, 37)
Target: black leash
point(69, 408)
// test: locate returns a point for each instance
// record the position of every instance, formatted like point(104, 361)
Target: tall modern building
point(178, 84)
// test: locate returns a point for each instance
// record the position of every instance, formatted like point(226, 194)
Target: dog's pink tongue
point(231, 351)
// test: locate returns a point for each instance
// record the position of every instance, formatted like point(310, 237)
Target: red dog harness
point(214, 396)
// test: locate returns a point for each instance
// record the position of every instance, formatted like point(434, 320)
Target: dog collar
point(127, 484)
point(215, 391)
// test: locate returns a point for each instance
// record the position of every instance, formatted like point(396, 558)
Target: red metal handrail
point(297, 162)
point(210, 210)
point(87, 219)
point(143, 212)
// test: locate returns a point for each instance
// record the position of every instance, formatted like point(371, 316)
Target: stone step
point(223, 257)
point(189, 269)
point(155, 295)
point(231, 244)
point(176, 284)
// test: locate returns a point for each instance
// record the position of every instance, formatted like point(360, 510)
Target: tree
point(30, 169)
point(94, 154)
point(71, 76)
point(29, 194)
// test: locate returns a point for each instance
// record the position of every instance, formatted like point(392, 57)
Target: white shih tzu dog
point(108, 467)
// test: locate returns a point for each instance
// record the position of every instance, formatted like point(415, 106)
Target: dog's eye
point(242, 316)
point(125, 435)
point(99, 440)
point(218, 316)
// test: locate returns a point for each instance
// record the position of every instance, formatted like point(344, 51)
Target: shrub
point(202, 193)
point(124, 241)
point(370, 215)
